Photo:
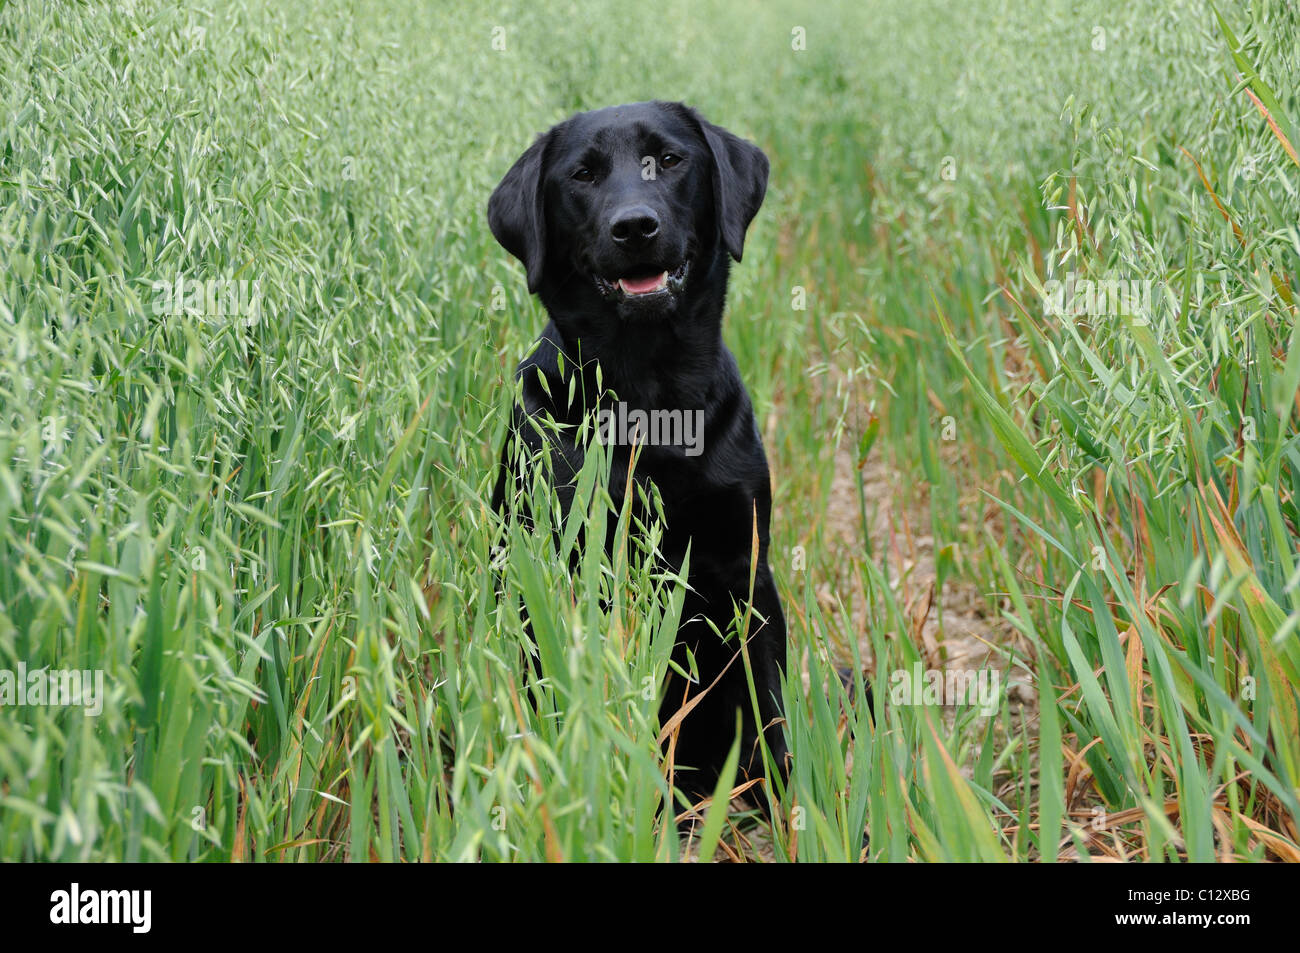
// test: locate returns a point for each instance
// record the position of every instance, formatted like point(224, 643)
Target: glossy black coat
point(625, 192)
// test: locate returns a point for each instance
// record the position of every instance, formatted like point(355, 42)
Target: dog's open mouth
point(644, 285)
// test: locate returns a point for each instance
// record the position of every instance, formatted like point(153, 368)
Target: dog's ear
point(739, 183)
point(515, 212)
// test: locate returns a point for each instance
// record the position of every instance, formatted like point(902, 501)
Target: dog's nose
point(634, 226)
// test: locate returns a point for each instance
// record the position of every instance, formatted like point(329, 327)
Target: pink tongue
point(640, 286)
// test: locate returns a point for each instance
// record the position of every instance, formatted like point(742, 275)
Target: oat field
point(1018, 317)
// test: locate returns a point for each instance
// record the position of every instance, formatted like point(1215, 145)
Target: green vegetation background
point(272, 536)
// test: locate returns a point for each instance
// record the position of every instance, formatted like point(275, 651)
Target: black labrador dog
point(625, 219)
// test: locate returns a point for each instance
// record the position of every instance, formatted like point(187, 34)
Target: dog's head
point(618, 208)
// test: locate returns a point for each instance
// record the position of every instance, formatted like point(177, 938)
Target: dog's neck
point(666, 362)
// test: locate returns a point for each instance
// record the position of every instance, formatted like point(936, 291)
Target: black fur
point(582, 208)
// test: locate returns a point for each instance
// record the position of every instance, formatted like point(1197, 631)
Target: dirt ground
point(898, 522)
point(898, 525)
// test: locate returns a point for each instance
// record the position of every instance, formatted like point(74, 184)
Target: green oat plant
point(1163, 433)
point(259, 506)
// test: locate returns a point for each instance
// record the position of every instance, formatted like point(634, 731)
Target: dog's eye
point(584, 175)
point(669, 160)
